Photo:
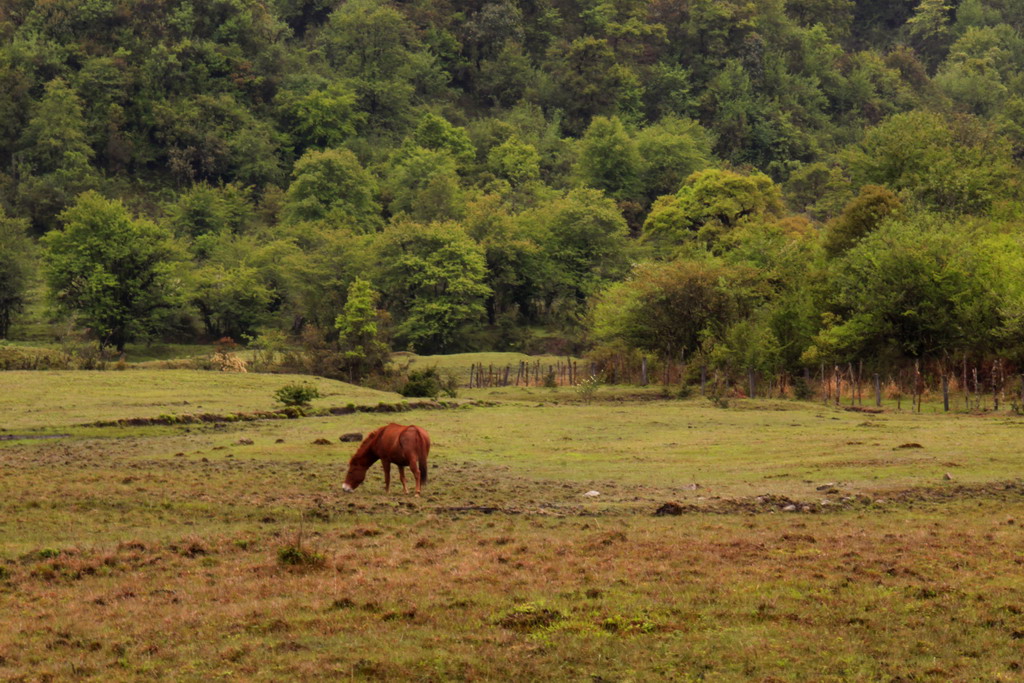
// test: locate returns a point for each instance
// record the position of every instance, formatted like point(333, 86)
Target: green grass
point(42, 399)
point(168, 552)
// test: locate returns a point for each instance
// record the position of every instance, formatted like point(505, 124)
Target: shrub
point(588, 388)
point(297, 556)
point(427, 384)
point(296, 394)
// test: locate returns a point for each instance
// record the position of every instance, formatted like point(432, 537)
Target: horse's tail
point(424, 451)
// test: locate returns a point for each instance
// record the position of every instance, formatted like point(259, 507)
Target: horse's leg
point(401, 474)
point(415, 467)
point(386, 464)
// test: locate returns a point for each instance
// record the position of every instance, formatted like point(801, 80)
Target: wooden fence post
point(750, 382)
point(878, 391)
point(945, 393)
point(704, 381)
point(643, 371)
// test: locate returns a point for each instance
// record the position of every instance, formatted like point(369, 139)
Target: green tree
point(670, 308)
point(425, 184)
point(670, 151)
point(361, 338)
point(232, 301)
point(910, 289)
point(375, 47)
point(432, 279)
point(54, 157)
point(929, 29)
point(322, 118)
point(960, 166)
point(435, 133)
point(711, 203)
point(515, 161)
point(586, 241)
point(16, 265)
point(862, 214)
point(332, 186)
point(609, 159)
point(114, 271)
point(209, 209)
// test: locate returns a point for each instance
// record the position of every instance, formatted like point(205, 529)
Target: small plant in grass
point(550, 381)
point(297, 556)
point(296, 394)
point(587, 389)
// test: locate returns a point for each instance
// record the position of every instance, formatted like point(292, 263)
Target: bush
point(296, 394)
point(296, 556)
point(428, 384)
point(588, 388)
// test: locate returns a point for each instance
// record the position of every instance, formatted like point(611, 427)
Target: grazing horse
point(403, 445)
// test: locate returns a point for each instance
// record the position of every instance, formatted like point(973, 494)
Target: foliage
point(333, 187)
point(16, 266)
point(296, 394)
point(909, 289)
point(433, 275)
point(709, 204)
point(285, 145)
point(113, 270)
point(860, 216)
point(361, 334)
point(428, 383)
point(670, 308)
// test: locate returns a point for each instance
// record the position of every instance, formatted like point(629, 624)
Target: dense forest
point(764, 184)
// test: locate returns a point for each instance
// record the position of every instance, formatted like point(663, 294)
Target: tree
point(711, 203)
point(515, 161)
point(432, 279)
point(54, 154)
point(929, 29)
point(16, 264)
point(232, 301)
point(434, 132)
point(670, 308)
point(609, 160)
point(208, 209)
point(114, 271)
point(670, 151)
point(959, 166)
point(332, 186)
point(322, 117)
point(862, 214)
point(910, 289)
point(361, 338)
point(425, 184)
point(586, 242)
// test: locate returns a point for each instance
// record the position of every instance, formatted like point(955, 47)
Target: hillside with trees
point(762, 185)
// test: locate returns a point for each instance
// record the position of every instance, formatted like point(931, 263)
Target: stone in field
point(351, 436)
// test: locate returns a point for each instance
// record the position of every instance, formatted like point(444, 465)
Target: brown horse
point(403, 445)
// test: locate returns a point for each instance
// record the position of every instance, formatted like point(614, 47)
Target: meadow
point(797, 541)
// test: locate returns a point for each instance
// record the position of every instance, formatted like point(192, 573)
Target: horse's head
point(360, 462)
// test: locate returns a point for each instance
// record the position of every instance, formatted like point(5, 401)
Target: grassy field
point(41, 400)
point(813, 544)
